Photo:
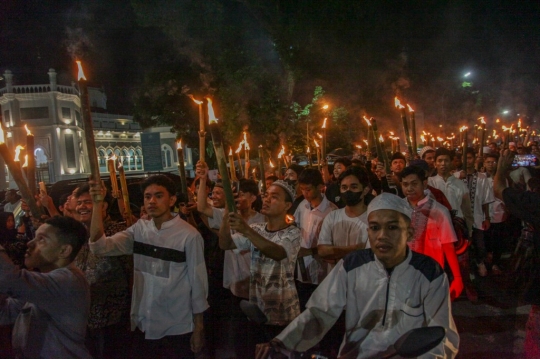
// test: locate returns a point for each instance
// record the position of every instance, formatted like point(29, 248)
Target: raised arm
point(202, 203)
point(225, 239)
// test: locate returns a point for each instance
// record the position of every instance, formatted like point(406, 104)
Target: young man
point(387, 291)
point(50, 308)
point(291, 177)
point(434, 234)
point(170, 281)
point(332, 191)
point(274, 246)
point(109, 279)
point(481, 195)
point(309, 217)
point(345, 230)
point(427, 154)
point(12, 200)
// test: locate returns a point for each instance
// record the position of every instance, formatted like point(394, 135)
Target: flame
point(179, 145)
point(474, 141)
point(325, 107)
point(358, 146)
point(519, 123)
point(239, 147)
point(81, 72)
point(494, 133)
point(366, 142)
point(211, 116)
point(440, 139)
point(410, 108)
point(308, 150)
point(423, 138)
point(463, 128)
point(18, 152)
point(368, 121)
point(282, 152)
point(316, 143)
point(28, 133)
point(319, 135)
point(433, 139)
point(381, 138)
point(25, 164)
point(1, 135)
point(398, 103)
point(196, 101)
point(324, 123)
point(289, 218)
point(504, 128)
point(230, 151)
point(482, 120)
point(497, 120)
point(271, 164)
point(392, 133)
point(254, 171)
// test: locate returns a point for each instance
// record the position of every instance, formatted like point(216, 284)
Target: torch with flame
point(398, 105)
point(18, 150)
point(246, 154)
point(202, 133)
point(111, 166)
point(181, 166)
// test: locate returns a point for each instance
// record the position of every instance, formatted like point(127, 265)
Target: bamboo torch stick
point(405, 125)
point(240, 159)
point(261, 168)
point(89, 129)
point(31, 169)
point(181, 167)
point(232, 167)
point(220, 156)
point(125, 194)
point(202, 133)
point(413, 130)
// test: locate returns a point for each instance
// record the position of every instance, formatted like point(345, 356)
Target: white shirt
point(438, 230)
point(166, 292)
point(310, 220)
point(497, 210)
point(8, 207)
point(379, 307)
point(236, 265)
point(338, 229)
point(483, 195)
point(454, 189)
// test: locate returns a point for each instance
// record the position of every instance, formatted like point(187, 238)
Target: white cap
point(389, 201)
point(425, 149)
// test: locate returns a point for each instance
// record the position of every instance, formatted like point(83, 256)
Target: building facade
point(52, 113)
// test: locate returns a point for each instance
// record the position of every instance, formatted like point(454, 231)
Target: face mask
point(351, 198)
point(291, 183)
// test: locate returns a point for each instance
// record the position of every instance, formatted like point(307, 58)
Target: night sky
point(362, 53)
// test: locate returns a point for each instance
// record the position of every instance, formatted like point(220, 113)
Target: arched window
point(131, 160)
point(102, 157)
point(138, 159)
point(41, 157)
point(166, 156)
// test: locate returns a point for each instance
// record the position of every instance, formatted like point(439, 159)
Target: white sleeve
point(241, 242)
point(325, 235)
point(323, 309)
point(197, 273)
point(438, 312)
point(116, 245)
point(215, 221)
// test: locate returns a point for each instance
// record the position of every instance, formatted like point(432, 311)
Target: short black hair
point(471, 151)
point(159, 180)
point(248, 186)
point(296, 168)
point(357, 172)
point(63, 199)
point(413, 170)
point(426, 152)
point(69, 231)
point(441, 151)
point(85, 188)
point(311, 176)
point(344, 161)
point(272, 178)
point(492, 155)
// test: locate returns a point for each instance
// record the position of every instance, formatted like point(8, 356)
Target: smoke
point(77, 42)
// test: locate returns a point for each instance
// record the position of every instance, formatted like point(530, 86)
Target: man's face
point(291, 175)
point(44, 250)
point(388, 234)
point(442, 164)
point(84, 206)
point(10, 222)
point(10, 196)
point(351, 183)
point(492, 148)
point(245, 200)
point(413, 187)
point(157, 201)
point(490, 164)
point(397, 166)
point(274, 203)
point(218, 197)
point(338, 168)
point(310, 192)
point(521, 150)
point(512, 148)
point(470, 160)
point(456, 163)
point(430, 159)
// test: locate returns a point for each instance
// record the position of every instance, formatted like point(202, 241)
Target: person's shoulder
point(357, 259)
point(426, 265)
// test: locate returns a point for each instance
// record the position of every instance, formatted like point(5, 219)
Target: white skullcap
point(425, 149)
point(390, 201)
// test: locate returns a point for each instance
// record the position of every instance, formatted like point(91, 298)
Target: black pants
point(110, 342)
point(479, 245)
point(494, 238)
point(172, 346)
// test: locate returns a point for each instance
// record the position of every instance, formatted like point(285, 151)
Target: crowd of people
point(339, 263)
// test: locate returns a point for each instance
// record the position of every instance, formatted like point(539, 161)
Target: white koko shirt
point(170, 282)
